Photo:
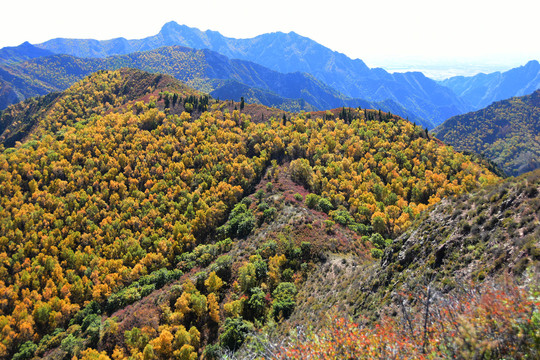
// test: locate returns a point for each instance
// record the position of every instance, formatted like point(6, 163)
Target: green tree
point(255, 306)
point(26, 351)
point(284, 300)
point(234, 333)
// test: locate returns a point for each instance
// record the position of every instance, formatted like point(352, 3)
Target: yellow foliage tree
point(213, 283)
point(213, 307)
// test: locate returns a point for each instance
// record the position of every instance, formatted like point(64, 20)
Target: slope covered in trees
point(130, 181)
point(507, 132)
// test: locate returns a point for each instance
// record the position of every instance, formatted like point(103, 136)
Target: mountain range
point(175, 225)
point(205, 70)
point(290, 52)
point(305, 75)
point(151, 207)
point(483, 89)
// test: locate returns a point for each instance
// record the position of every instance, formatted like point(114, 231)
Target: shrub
point(241, 221)
point(71, 345)
point(222, 267)
point(377, 240)
point(269, 213)
point(325, 205)
point(312, 200)
point(256, 305)
point(26, 351)
point(376, 253)
point(329, 226)
point(287, 274)
point(259, 195)
point(342, 217)
point(301, 172)
point(487, 323)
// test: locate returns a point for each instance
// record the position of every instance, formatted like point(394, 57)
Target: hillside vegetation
point(506, 132)
point(461, 282)
point(133, 189)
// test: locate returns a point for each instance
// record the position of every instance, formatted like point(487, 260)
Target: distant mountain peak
point(174, 26)
point(24, 45)
point(171, 27)
point(532, 63)
point(170, 24)
point(292, 33)
point(22, 52)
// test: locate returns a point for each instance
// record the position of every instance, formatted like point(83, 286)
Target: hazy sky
point(377, 31)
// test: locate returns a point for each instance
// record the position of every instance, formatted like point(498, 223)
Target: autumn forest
point(143, 219)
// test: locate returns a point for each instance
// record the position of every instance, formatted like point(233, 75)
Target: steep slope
point(18, 121)
point(123, 215)
point(483, 89)
point(481, 236)
point(449, 284)
point(507, 132)
point(200, 69)
point(291, 53)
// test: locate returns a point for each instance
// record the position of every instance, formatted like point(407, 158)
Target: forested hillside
point(124, 214)
point(507, 132)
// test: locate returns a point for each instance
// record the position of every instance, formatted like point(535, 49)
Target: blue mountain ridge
point(205, 70)
point(290, 52)
point(483, 89)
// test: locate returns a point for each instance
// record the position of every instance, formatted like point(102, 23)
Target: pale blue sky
point(378, 32)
